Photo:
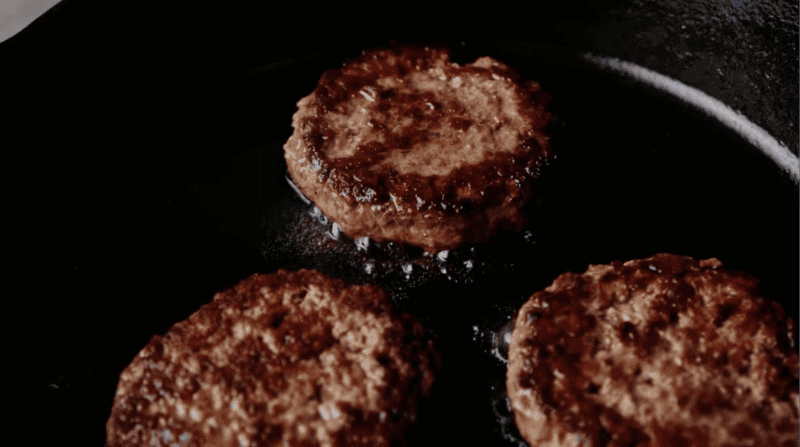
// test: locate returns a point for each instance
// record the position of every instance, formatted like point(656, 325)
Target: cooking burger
point(403, 145)
point(289, 359)
point(663, 351)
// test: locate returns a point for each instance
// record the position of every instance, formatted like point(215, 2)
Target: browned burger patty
point(290, 358)
point(665, 351)
point(402, 145)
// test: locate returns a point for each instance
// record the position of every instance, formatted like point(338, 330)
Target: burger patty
point(402, 145)
point(665, 351)
point(290, 358)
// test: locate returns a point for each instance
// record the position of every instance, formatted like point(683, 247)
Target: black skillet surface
point(154, 205)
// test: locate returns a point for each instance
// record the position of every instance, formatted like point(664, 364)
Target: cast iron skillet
point(638, 172)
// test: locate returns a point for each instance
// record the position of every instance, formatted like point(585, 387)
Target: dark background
point(121, 113)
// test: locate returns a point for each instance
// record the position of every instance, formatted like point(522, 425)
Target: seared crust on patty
point(665, 351)
point(403, 145)
point(290, 358)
